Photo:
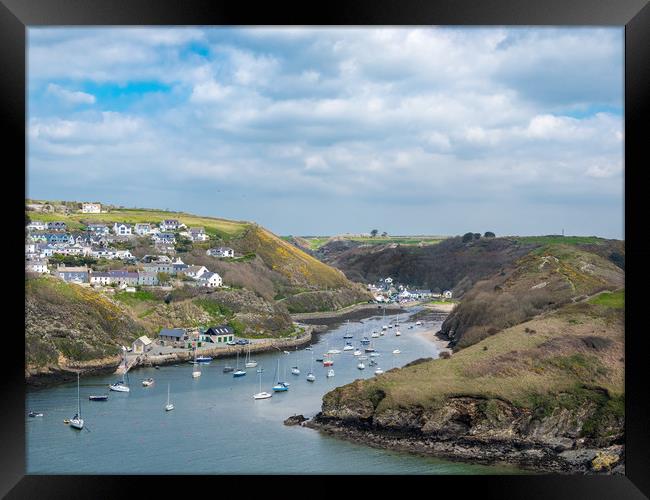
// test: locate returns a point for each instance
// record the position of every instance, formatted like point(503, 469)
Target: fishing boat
point(379, 371)
point(203, 359)
point(238, 372)
point(169, 406)
point(196, 373)
point(77, 422)
point(294, 369)
point(121, 385)
point(103, 397)
point(262, 394)
point(330, 372)
point(34, 414)
point(250, 363)
point(147, 382)
point(308, 348)
point(361, 366)
point(328, 362)
point(280, 386)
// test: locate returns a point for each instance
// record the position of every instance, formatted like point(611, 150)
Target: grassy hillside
point(545, 279)
point(559, 372)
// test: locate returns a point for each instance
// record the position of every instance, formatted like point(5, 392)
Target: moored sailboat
point(77, 422)
point(169, 406)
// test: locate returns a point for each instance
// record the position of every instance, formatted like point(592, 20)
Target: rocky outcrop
point(482, 430)
point(295, 420)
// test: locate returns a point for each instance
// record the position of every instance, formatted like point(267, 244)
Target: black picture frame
point(17, 15)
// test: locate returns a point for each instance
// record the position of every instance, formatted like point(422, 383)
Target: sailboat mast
point(78, 399)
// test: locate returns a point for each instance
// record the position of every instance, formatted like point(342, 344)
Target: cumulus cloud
point(388, 119)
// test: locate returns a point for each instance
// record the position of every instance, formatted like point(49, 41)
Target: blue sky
point(439, 130)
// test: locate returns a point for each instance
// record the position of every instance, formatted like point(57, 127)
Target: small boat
point(390, 326)
point(361, 366)
point(384, 327)
point(157, 367)
point(334, 351)
point(77, 422)
point(196, 373)
point(238, 372)
point(374, 335)
point(34, 414)
point(369, 349)
point(357, 352)
point(169, 406)
point(330, 373)
point(418, 323)
point(147, 382)
point(66, 421)
point(259, 370)
point(410, 327)
point(348, 347)
point(379, 371)
point(250, 363)
point(203, 359)
point(396, 351)
point(320, 360)
point(311, 377)
point(121, 386)
point(363, 356)
point(280, 386)
point(382, 333)
point(348, 335)
point(308, 348)
point(374, 354)
point(372, 362)
point(286, 352)
point(103, 397)
point(262, 394)
point(228, 369)
point(365, 341)
point(294, 369)
point(397, 333)
point(328, 362)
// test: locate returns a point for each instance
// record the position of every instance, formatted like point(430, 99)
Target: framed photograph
point(390, 239)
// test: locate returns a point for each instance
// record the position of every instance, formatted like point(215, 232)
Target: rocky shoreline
point(528, 455)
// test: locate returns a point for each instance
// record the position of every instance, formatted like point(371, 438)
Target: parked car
point(231, 342)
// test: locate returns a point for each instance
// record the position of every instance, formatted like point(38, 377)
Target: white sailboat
point(384, 327)
point(262, 394)
point(238, 372)
point(250, 363)
point(77, 422)
point(361, 366)
point(169, 406)
point(196, 372)
point(294, 369)
point(310, 376)
point(121, 385)
point(330, 372)
point(347, 335)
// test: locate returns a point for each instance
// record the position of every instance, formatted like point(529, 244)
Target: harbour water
point(216, 426)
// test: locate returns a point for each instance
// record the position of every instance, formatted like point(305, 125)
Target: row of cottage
point(200, 275)
point(175, 336)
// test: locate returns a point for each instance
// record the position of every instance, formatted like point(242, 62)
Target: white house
point(122, 229)
point(99, 278)
point(221, 252)
point(91, 208)
point(143, 229)
point(37, 266)
point(210, 280)
point(195, 271)
point(170, 225)
point(97, 228)
point(198, 234)
point(37, 225)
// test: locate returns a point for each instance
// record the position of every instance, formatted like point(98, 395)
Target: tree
point(384, 234)
point(374, 232)
point(489, 234)
point(468, 237)
point(477, 236)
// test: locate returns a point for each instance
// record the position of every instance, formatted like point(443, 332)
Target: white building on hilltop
point(91, 208)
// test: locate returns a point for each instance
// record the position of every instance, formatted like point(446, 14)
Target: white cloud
point(70, 96)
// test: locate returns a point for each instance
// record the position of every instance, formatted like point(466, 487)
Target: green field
point(614, 300)
point(556, 239)
point(213, 226)
point(315, 242)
